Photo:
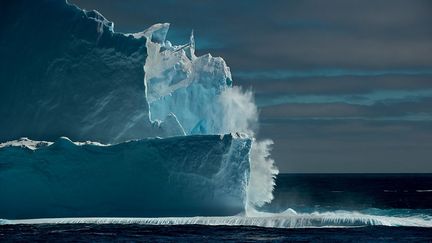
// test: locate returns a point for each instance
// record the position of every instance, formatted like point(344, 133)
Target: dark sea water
point(397, 197)
point(353, 191)
point(201, 233)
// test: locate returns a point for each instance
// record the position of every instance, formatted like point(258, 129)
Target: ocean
point(307, 207)
point(353, 191)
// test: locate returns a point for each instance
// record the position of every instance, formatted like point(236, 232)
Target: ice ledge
point(33, 145)
point(25, 143)
point(157, 33)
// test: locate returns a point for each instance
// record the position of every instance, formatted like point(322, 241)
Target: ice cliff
point(180, 176)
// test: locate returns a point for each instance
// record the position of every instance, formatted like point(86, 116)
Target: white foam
point(288, 219)
point(423, 190)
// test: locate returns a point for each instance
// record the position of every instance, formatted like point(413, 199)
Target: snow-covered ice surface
point(25, 143)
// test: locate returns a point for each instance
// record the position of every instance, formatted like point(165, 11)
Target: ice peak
point(190, 50)
point(157, 33)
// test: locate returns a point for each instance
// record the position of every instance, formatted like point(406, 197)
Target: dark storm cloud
point(297, 34)
point(391, 96)
point(335, 85)
point(345, 86)
point(287, 74)
point(351, 146)
point(379, 111)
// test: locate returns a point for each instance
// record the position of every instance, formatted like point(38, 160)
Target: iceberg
point(168, 133)
point(168, 139)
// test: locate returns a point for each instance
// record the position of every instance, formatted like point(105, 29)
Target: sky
point(342, 86)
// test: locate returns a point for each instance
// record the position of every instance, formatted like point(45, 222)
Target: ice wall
point(182, 176)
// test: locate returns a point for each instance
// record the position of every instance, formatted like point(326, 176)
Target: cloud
point(289, 74)
point(334, 85)
point(351, 145)
point(366, 99)
point(419, 111)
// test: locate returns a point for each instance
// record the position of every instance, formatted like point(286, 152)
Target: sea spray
point(263, 174)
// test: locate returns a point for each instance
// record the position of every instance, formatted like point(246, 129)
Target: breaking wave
point(288, 219)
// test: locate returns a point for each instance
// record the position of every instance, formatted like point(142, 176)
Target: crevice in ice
point(101, 21)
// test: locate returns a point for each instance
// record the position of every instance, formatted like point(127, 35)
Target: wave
point(288, 219)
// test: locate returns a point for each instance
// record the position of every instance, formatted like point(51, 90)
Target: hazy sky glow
point(342, 86)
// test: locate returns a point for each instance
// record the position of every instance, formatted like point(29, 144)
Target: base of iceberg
point(180, 176)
